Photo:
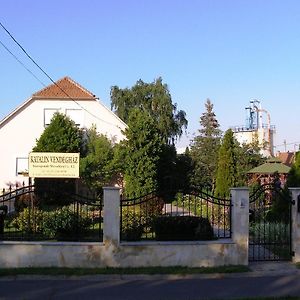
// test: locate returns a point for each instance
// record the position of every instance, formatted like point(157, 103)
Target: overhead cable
point(20, 62)
point(49, 77)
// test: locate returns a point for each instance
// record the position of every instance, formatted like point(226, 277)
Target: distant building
point(287, 158)
point(258, 128)
point(266, 173)
point(22, 127)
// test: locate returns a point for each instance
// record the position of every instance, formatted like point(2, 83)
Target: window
point(48, 115)
point(21, 165)
point(76, 115)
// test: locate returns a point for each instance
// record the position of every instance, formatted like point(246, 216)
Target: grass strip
point(143, 270)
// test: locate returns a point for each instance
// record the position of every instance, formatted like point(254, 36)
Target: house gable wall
point(19, 131)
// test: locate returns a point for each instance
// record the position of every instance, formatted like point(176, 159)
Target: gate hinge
point(293, 253)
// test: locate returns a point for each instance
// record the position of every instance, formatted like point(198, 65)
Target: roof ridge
point(58, 91)
point(78, 85)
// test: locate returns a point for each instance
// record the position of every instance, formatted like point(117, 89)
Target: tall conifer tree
point(227, 169)
point(204, 149)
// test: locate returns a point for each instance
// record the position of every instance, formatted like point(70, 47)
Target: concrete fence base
point(113, 253)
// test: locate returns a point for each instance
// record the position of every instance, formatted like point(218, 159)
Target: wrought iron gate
point(269, 224)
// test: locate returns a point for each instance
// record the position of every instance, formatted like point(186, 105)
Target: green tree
point(97, 168)
point(183, 170)
point(249, 157)
point(62, 135)
point(227, 169)
point(293, 179)
point(152, 100)
point(142, 149)
point(155, 99)
point(205, 147)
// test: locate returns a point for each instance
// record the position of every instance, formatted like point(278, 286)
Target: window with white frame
point(21, 165)
point(76, 115)
point(48, 115)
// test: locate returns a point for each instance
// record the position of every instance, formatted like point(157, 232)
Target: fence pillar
point(295, 219)
point(240, 222)
point(111, 215)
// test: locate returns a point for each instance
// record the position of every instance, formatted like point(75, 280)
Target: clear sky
point(231, 51)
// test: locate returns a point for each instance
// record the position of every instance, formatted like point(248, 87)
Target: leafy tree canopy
point(294, 174)
point(62, 135)
point(155, 99)
point(97, 168)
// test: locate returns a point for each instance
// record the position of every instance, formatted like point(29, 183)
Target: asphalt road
point(158, 289)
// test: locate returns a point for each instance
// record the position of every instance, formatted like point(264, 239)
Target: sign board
point(53, 165)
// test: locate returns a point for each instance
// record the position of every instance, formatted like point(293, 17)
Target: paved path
point(271, 279)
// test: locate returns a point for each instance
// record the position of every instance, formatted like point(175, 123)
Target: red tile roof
point(287, 158)
point(63, 89)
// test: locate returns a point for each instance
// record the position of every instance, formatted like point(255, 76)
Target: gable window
point(76, 115)
point(48, 115)
point(21, 166)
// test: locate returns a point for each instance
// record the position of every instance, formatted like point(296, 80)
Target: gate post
point(240, 222)
point(295, 226)
point(111, 215)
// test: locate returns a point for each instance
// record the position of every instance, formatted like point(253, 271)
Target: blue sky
point(231, 51)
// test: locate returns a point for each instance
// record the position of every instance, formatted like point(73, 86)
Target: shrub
point(182, 228)
point(132, 225)
point(29, 220)
point(60, 223)
point(64, 223)
point(275, 232)
point(151, 208)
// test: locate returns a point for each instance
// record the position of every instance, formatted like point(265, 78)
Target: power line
point(286, 144)
point(49, 77)
point(20, 62)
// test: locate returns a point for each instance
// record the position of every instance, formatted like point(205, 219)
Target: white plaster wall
point(18, 134)
point(139, 254)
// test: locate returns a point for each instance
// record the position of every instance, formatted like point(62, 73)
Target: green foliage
point(227, 168)
point(183, 170)
point(249, 157)
point(280, 207)
point(29, 220)
point(60, 223)
point(182, 228)
point(204, 148)
point(63, 223)
point(133, 224)
point(155, 99)
point(294, 174)
point(154, 124)
point(277, 232)
point(97, 167)
point(142, 149)
point(62, 135)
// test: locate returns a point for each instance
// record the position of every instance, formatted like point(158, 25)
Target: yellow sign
point(53, 165)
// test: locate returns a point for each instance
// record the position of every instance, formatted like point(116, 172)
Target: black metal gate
point(269, 224)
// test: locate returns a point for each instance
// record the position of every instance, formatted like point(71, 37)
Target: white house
point(22, 127)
